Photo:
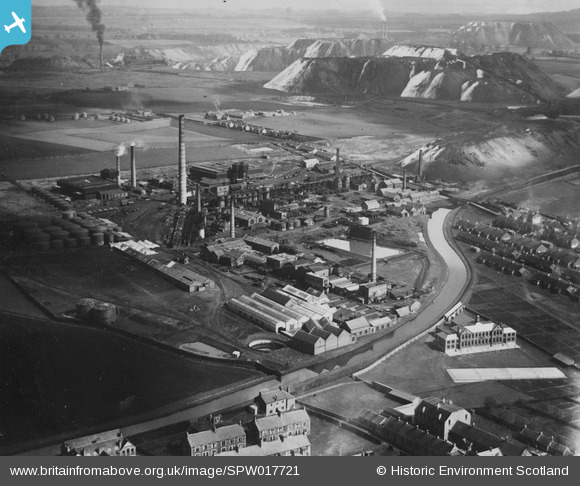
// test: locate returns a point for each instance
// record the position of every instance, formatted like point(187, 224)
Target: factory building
point(391, 184)
point(301, 318)
point(255, 315)
point(288, 323)
point(177, 273)
point(308, 343)
point(248, 219)
point(319, 282)
point(263, 245)
point(109, 443)
point(278, 311)
point(374, 291)
point(316, 340)
point(467, 334)
point(86, 187)
point(371, 205)
point(277, 296)
point(359, 326)
point(111, 194)
point(299, 294)
point(279, 260)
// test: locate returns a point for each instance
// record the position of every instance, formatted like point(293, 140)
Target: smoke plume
point(93, 15)
point(121, 150)
point(377, 7)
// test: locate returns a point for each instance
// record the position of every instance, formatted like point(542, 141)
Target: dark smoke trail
point(93, 15)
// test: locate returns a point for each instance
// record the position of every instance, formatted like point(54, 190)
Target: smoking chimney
point(182, 172)
point(232, 219)
point(419, 169)
point(133, 168)
point(337, 165)
point(101, 52)
point(198, 193)
point(118, 170)
point(384, 30)
point(374, 259)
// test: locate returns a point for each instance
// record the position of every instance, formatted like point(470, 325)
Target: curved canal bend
point(451, 292)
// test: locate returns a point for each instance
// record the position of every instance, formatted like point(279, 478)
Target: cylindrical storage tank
point(108, 237)
point(42, 236)
point(68, 215)
point(30, 232)
point(84, 241)
point(78, 233)
point(44, 222)
point(42, 245)
point(67, 225)
point(70, 243)
point(84, 307)
point(101, 228)
point(290, 225)
point(72, 227)
point(83, 215)
point(57, 244)
point(59, 235)
point(21, 226)
point(89, 226)
point(52, 228)
point(103, 314)
point(97, 239)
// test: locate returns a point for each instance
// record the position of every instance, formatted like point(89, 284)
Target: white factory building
point(286, 309)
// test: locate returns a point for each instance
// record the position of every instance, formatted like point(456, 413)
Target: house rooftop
point(273, 448)
point(281, 420)
point(274, 396)
point(215, 435)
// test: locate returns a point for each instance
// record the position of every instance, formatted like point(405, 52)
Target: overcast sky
point(421, 6)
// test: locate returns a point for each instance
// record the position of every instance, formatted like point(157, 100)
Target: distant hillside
point(184, 57)
point(276, 59)
point(518, 151)
point(536, 35)
point(441, 74)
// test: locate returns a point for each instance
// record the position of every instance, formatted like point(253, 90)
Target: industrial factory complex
point(287, 243)
point(285, 254)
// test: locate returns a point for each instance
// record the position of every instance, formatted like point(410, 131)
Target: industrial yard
point(213, 219)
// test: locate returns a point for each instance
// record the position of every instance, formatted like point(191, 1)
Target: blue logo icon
point(15, 22)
